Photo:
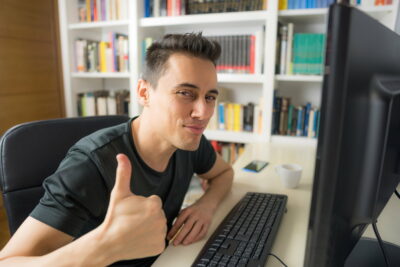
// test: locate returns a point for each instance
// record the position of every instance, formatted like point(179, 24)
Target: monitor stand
point(367, 253)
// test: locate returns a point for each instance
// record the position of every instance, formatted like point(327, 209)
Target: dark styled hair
point(193, 44)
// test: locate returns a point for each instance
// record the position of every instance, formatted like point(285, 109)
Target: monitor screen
point(357, 162)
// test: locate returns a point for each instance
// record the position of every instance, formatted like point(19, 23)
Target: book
point(221, 116)
point(290, 120)
point(307, 110)
point(240, 53)
point(300, 118)
point(283, 35)
point(257, 119)
point(111, 104)
point(288, 70)
point(82, 11)
point(310, 132)
point(238, 117)
point(229, 117)
point(248, 117)
point(283, 120)
point(276, 114)
point(102, 10)
point(103, 102)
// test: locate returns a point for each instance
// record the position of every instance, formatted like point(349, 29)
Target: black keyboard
point(245, 236)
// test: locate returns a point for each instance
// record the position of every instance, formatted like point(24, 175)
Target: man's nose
point(202, 109)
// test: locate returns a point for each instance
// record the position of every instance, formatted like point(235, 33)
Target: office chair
point(32, 151)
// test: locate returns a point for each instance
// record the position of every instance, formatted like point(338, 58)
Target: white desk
point(290, 241)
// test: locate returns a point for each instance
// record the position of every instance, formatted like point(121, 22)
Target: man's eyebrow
point(213, 91)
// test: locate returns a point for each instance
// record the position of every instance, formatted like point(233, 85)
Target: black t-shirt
point(77, 195)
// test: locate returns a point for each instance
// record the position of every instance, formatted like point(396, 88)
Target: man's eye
point(185, 93)
point(211, 98)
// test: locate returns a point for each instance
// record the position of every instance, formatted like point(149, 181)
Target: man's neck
point(153, 150)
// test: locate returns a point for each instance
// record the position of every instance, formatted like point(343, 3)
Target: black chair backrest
point(32, 151)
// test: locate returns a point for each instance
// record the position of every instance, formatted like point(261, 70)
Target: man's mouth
point(196, 129)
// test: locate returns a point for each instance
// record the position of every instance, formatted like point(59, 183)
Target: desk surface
point(290, 241)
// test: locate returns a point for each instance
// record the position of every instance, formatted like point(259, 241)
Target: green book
point(290, 117)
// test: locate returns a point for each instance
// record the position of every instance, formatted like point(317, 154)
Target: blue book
point(315, 123)
point(313, 3)
point(146, 8)
point(306, 119)
point(299, 128)
point(221, 116)
point(298, 4)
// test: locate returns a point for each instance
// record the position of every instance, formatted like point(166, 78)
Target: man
point(91, 215)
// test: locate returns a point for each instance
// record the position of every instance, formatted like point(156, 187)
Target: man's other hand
point(192, 224)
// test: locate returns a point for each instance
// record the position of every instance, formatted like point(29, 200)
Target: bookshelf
point(243, 88)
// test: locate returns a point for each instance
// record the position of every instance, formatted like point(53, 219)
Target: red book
point(169, 7)
point(95, 15)
point(252, 54)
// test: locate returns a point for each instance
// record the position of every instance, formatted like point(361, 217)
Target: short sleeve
point(204, 157)
point(74, 194)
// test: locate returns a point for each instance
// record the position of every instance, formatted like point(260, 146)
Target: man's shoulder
point(103, 137)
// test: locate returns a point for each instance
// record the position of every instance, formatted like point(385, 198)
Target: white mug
point(290, 174)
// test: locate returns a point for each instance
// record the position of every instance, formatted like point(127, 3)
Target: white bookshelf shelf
point(235, 137)
point(100, 75)
point(295, 140)
point(378, 9)
point(310, 15)
point(303, 12)
point(299, 78)
point(99, 24)
point(240, 78)
point(202, 19)
point(319, 15)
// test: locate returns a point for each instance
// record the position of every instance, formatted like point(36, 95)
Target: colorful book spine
point(238, 117)
point(221, 116)
point(299, 128)
point(290, 120)
point(306, 118)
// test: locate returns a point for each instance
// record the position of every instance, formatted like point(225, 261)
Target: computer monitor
point(358, 154)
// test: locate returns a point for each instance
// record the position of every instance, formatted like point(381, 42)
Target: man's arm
point(134, 227)
point(194, 221)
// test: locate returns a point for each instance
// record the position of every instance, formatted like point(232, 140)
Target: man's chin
point(190, 145)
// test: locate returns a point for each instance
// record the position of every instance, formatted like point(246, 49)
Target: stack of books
point(236, 117)
point(102, 10)
point(157, 8)
point(299, 53)
point(240, 53)
point(103, 56)
point(230, 152)
point(301, 4)
point(291, 120)
point(103, 102)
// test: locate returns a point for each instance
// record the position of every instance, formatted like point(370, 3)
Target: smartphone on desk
point(255, 166)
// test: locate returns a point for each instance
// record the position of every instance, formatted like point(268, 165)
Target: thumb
point(122, 186)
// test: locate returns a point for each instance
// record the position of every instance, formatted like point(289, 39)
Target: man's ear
point(143, 92)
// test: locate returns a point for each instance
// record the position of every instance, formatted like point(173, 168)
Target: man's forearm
point(88, 250)
point(218, 188)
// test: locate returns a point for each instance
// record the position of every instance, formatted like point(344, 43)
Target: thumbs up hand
point(135, 226)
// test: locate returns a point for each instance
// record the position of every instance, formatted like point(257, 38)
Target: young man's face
point(184, 100)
